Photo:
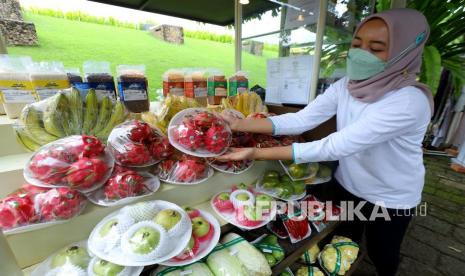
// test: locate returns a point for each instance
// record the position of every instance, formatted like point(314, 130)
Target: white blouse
point(378, 144)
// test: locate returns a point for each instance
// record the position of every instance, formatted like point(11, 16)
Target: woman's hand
point(232, 120)
point(237, 154)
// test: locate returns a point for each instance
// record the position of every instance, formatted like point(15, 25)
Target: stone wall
point(169, 33)
point(17, 32)
point(10, 9)
point(253, 47)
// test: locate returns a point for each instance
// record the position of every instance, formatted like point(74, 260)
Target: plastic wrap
point(74, 76)
point(269, 246)
point(195, 86)
point(337, 257)
point(281, 186)
point(184, 169)
point(311, 255)
point(195, 269)
point(217, 86)
point(225, 263)
point(99, 77)
point(300, 171)
point(309, 271)
point(296, 223)
point(135, 143)
point(198, 132)
point(15, 84)
point(318, 213)
point(76, 259)
point(142, 234)
point(133, 87)
point(246, 103)
point(48, 78)
point(173, 82)
point(238, 84)
point(32, 207)
point(79, 161)
point(125, 186)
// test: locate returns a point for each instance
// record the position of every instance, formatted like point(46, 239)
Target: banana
point(75, 110)
point(52, 117)
point(31, 119)
point(24, 139)
point(118, 116)
point(245, 103)
point(91, 112)
point(104, 114)
point(63, 112)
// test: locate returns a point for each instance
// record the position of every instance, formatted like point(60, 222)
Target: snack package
point(16, 89)
point(296, 223)
point(270, 248)
point(184, 169)
point(281, 186)
point(173, 83)
point(195, 269)
point(124, 186)
point(238, 84)
point(337, 257)
point(79, 161)
point(199, 132)
point(217, 87)
point(32, 207)
point(48, 78)
point(300, 171)
point(136, 144)
point(195, 86)
point(98, 76)
point(140, 234)
point(74, 76)
point(133, 87)
point(76, 259)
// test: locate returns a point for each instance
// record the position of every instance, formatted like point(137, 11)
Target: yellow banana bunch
point(23, 138)
point(75, 111)
point(118, 116)
point(31, 120)
point(104, 115)
point(53, 117)
point(91, 112)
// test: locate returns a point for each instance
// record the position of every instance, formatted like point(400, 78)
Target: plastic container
point(199, 132)
point(217, 87)
point(173, 82)
point(281, 187)
point(182, 169)
point(48, 78)
point(195, 86)
point(79, 162)
point(300, 171)
point(133, 87)
point(98, 76)
point(296, 223)
point(15, 84)
point(238, 84)
point(232, 167)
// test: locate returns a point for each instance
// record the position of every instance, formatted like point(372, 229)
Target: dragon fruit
point(85, 146)
point(85, 172)
point(125, 184)
point(189, 138)
point(30, 190)
point(205, 119)
point(190, 169)
point(217, 139)
point(134, 154)
point(16, 211)
point(59, 203)
point(139, 132)
point(160, 148)
point(48, 169)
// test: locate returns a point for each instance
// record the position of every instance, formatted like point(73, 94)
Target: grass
point(73, 42)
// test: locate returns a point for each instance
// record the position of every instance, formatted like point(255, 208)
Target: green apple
point(107, 227)
point(285, 273)
point(104, 268)
point(144, 240)
point(299, 187)
point(242, 186)
point(189, 246)
point(243, 197)
point(250, 212)
point(200, 226)
point(270, 259)
point(285, 191)
point(270, 183)
point(285, 178)
point(167, 218)
point(224, 196)
point(75, 255)
point(264, 201)
point(271, 174)
point(297, 170)
point(270, 239)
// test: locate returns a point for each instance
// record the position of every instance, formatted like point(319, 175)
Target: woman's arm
point(275, 153)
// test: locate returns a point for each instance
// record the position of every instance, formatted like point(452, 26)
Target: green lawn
point(73, 42)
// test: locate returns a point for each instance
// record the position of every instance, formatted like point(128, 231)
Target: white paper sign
point(288, 80)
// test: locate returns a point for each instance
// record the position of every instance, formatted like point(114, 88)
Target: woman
point(382, 116)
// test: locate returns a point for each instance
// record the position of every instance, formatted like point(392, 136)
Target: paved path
point(435, 243)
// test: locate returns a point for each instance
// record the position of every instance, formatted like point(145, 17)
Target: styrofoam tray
point(286, 170)
point(44, 266)
point(230, 217)
point(272, 193)
point(220, 169)
point(206, 248)
point(176, 121)
point(175, 244)
point(151, 182)
point(211, 172)
point(34, 227)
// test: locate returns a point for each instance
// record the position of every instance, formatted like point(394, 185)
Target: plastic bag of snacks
point(217, 86)
point(195, 86)
point(184, 169)
point(79, 162)
point(98, 77)
point(134, 143)
point(199, 132)
point(133, 87)
point(238, 84)
point(173, 82)
point(296, 223)
point(124, 186)
point(309, 271)
point(337, 257)
point(76, 259)
point(32, 207)
point(48, 78)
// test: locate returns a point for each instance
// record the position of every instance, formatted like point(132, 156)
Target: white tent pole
point(320, 29)
point(237, 35)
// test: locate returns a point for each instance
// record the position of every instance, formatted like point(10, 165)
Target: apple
point(250, 212)
point(167, 218)
point(299, 187)
point(271, 174)
point(75, 255)
point(242, 186)
point(242, 197)
point(191, 212)
point(108, 227)
point(285, 178)
point(104, 268)
point(200, 227)
point(224, 196)
point(270, 183)
point(297, 170)
point(144, 240)
point(264, 201)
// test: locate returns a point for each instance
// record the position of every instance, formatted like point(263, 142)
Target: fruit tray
point(233, 212)
point(185, 170)
point(199, 132)
point(141, 234)
point(323, 176)
point(150, 184)
point(76, 259)
point(300, 171)
point(204, 246)
point(231, 166)
point(281, 186)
